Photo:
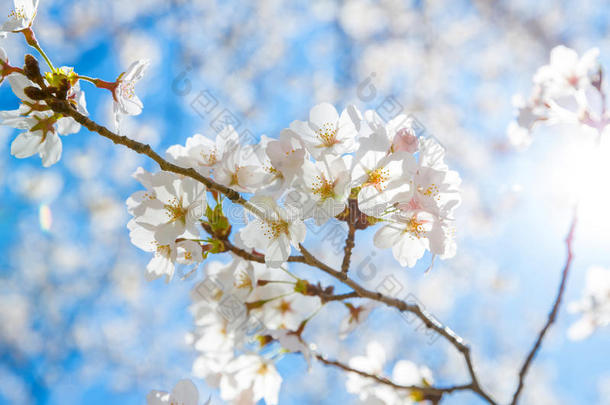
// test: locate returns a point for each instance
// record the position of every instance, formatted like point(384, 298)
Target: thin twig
point(430, 393)
point(552, 314)
point(429, 321)
point(63, 107)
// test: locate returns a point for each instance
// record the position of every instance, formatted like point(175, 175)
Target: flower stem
point(30, 38)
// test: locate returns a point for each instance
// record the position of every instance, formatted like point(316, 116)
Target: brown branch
point(349, 245)
point(430, 393)
point(341, 297)
point(552, 314)
point(429, 321)
point(63, 107)
point(255, 257)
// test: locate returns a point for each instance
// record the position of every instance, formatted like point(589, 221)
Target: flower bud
point(31, 68)
point(405, 140)
point(35, 93)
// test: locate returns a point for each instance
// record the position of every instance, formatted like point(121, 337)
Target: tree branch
point(63, 107)
point(552, 314)
point(349, 245)
point(429, 321)
point(429, 393)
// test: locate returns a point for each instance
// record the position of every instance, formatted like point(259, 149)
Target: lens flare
point(45, 217)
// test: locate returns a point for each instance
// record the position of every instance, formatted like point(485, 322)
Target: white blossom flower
point(411, 233)
point(326, 187)
point(252, 373)
point(242, 170)
point(42, 125)
point(184, 393)
point(171, 208)
point(126, 102)
point(380, 177)
point(165, 255)
point(404, 373)
point(216, 333)
point(566, 91)
point(40, 137)
point(594, 306)
point(372, 363)
point(566, 72)
point(211, 366)
point(282, 159)
point(286, 155)
point(275, 231)
point(203, 154)
point(76, 97)
point(327, 132)
point(21, 17)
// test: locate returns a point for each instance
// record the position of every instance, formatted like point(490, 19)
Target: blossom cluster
point(569, 90)
point(310, 172)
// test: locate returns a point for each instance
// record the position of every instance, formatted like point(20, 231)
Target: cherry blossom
point(273, 234)
point(166, 255)
point(242, 170)
point(252, 373)
point(327, 132)
point(203, 154)
point(326, 185)
point(21, 17)
point(126, 102)
point(569, 90)
point(594, 306)
point(171, 207)
point(404, 373)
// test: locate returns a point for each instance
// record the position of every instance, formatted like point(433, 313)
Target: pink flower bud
point(405, 140)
